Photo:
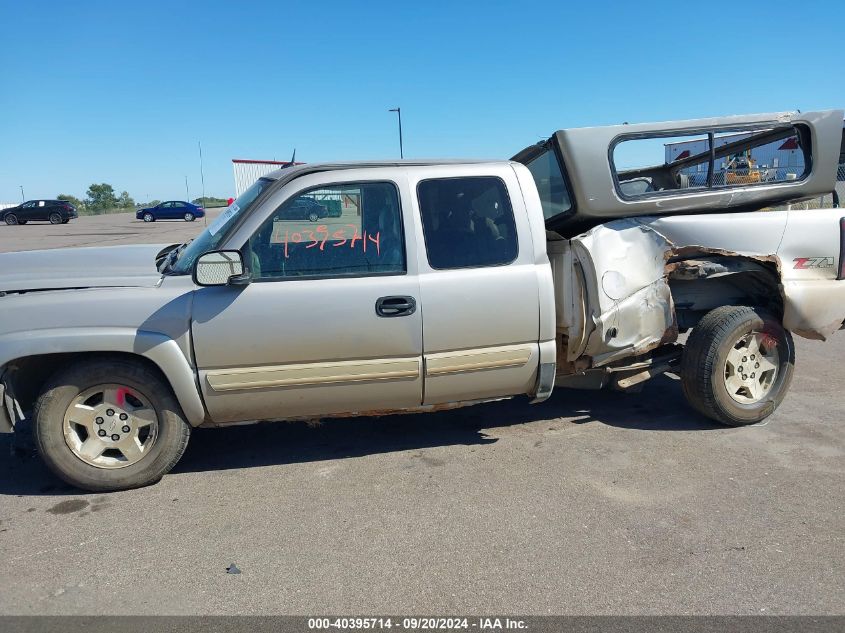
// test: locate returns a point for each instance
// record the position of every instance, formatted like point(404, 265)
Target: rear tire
point(109, 424)
point(55, 218)
point(11, 219)
point(313, 216)
point(737, 365)
point(189, 217)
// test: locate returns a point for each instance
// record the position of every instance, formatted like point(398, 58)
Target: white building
point(779, 155)
point(248, 171)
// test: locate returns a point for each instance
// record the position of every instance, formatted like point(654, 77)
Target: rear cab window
point(551, 184)
point(467, 222)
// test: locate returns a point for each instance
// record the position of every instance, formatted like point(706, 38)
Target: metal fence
point(771, 174)
point(823, 202)
point(743, 176)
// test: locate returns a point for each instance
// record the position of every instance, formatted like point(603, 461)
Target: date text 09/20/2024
point(416, 623)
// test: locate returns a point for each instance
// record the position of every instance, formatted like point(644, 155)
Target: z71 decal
point(804, 263)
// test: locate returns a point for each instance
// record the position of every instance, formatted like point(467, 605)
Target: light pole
point(202, 184)
point(187, 195)
point(23, 199)
point(398, 111)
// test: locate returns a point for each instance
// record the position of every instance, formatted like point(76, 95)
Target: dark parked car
point(52, 211)
point(171, 210)
point(304, 208)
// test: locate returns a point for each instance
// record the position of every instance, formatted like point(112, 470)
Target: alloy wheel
point(110, 426)
point(751, 367)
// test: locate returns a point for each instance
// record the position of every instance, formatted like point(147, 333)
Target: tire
point(717, 374)
point(189, 217)
point(148, 217)
point(55, 218)
point(134, 384)
point(314, 216)
point(65, 221)
point(11, 219)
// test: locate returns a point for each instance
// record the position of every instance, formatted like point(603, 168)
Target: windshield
point(214, 234)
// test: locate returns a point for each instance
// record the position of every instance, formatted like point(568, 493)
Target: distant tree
point(125, 202)
point(151, 203)
point(76, 202)
point(210, 201)
point(101, 198)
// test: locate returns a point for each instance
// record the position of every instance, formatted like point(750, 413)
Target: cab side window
point(467, 222)
point(352, 229)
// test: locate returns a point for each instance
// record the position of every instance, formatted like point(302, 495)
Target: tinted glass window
point(661, 163)
point(468, 222)
point(550, 184)
point(747, 158)
point(706, 160)
point(349, 229)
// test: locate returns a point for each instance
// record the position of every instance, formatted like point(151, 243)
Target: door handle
point(395, 306)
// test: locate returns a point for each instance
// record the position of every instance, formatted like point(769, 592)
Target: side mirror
point(220, 268)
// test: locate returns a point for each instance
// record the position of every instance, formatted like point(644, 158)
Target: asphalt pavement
point(590, 503)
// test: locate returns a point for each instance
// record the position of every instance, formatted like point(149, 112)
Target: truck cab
point(387, 307)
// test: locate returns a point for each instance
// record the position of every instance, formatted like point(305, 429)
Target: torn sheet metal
point(630, 307)
point(627, 264)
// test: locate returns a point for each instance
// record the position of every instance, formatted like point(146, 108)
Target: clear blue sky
point(120, 92)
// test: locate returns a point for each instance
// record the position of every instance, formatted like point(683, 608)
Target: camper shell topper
point(587, 176)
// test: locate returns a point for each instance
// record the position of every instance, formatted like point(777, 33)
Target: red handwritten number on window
point(319, 236)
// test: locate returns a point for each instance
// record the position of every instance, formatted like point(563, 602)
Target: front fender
point(154, 346)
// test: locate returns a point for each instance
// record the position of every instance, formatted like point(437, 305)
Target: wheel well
point(703, 283)
point(25, 377)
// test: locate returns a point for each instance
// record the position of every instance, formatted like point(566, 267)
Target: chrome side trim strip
point(479, 359)
point(305, 374)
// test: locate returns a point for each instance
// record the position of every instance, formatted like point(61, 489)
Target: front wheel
point(148, 217)
point(55, 218)
point(737, 365)
point(109, 424)
point(313, 216)
point(189, 217)
point(11, 219)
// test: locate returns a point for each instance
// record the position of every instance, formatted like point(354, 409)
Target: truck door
point(330, 323)
point(478, 284)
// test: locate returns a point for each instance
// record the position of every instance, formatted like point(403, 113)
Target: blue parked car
point(171, 210)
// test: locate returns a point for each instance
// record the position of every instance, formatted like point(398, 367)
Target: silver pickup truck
point(435, 284)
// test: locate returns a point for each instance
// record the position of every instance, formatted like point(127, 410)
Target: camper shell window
point(669, 163)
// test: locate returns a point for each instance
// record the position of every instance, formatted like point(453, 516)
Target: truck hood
point(110, 266)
